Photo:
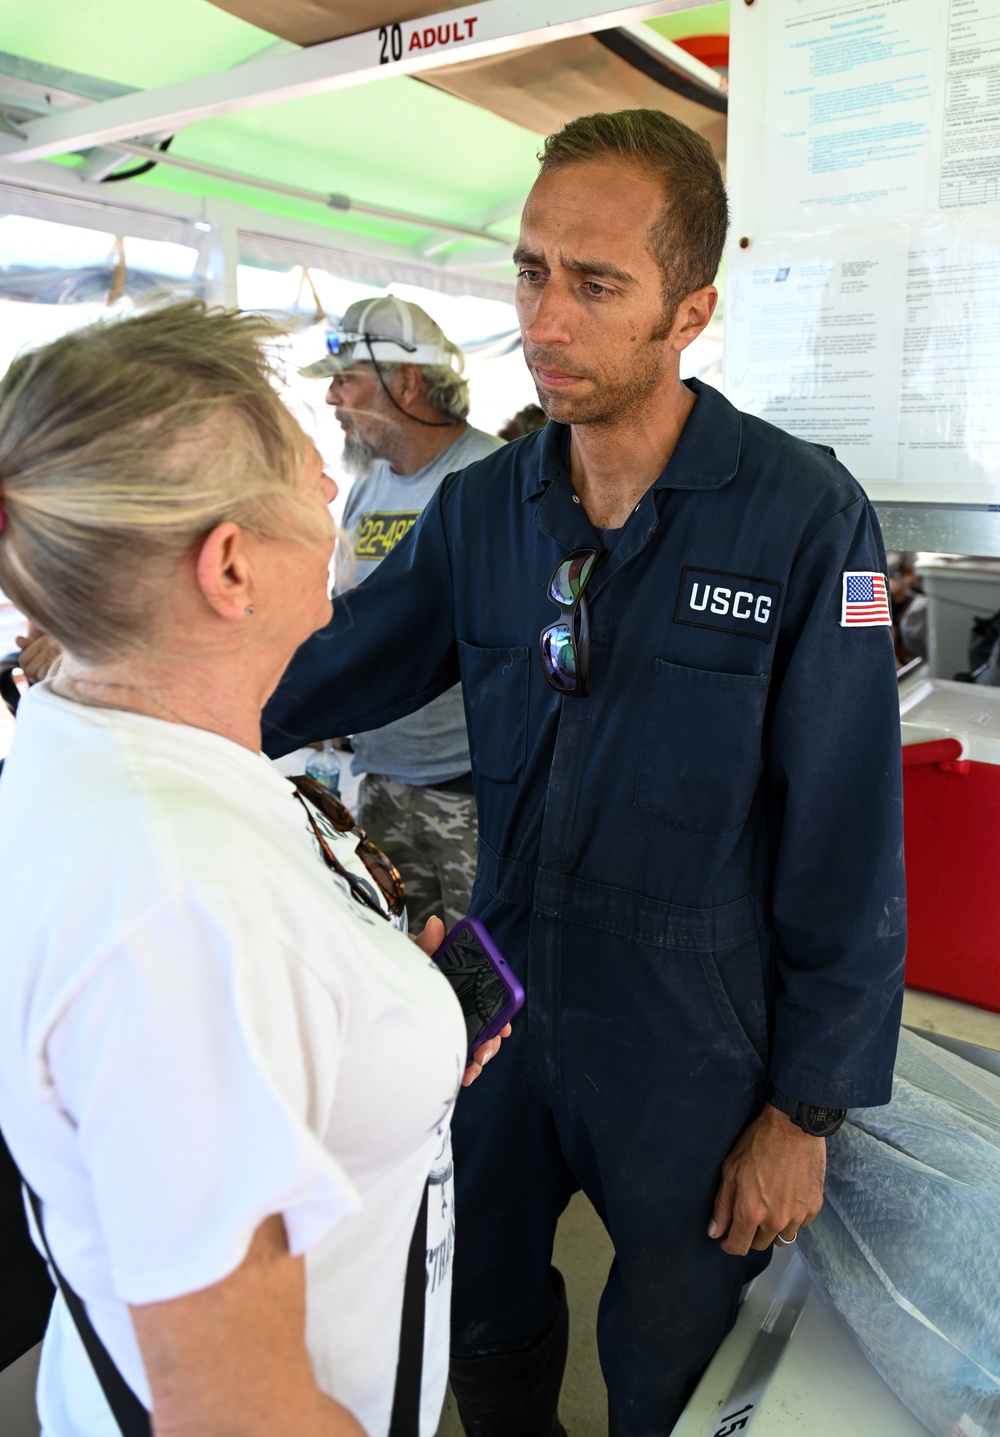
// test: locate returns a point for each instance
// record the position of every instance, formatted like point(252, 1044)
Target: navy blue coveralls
point(696, 869)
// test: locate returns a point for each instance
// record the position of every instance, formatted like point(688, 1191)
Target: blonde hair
point(121, 446)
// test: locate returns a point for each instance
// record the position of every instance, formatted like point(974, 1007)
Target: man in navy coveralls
point(693, 859)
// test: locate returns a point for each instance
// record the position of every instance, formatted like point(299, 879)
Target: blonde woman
point(225, 1075)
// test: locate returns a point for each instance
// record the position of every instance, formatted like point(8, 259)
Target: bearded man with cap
point(397, 386)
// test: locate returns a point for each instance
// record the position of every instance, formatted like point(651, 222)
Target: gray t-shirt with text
point(431, 745)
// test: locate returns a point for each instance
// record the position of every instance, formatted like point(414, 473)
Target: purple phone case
point(482, 942)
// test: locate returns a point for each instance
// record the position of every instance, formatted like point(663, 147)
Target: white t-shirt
point(200, 1027)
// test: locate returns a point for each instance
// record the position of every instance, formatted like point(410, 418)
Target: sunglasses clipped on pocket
point(564, 646)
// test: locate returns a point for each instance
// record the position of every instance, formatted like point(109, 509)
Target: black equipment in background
point(27, 1288)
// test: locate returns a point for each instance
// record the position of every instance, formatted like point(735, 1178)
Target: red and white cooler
point(951, 816)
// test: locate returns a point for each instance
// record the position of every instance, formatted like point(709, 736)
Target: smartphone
point(486, 987)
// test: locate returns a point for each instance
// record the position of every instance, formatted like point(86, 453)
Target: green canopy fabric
point(398, 143)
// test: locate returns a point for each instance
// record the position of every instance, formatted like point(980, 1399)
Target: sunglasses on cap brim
point(339, 340)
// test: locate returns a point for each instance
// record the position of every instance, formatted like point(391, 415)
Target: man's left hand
point(772, 1184)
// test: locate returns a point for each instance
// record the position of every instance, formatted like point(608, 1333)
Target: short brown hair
point(121, 446)
point(688, 237)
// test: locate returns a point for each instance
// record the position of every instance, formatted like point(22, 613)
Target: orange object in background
point(709, 49)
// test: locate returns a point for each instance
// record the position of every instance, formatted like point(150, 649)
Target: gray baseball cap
point(387, 329)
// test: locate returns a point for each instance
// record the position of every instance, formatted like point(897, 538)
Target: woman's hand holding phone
point(429, 941)
point(482, 1056)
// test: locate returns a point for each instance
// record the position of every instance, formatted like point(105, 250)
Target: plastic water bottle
point(324, 767)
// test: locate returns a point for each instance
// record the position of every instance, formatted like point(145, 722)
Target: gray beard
point(358, 456)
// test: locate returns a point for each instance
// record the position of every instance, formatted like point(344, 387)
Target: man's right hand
point(39, 654)
point(772, 1185)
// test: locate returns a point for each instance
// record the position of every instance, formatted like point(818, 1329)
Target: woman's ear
point(224, 573)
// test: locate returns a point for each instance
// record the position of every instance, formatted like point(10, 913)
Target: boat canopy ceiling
point(421, 173)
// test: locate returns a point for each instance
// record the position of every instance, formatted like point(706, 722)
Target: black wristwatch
point(817, 1122)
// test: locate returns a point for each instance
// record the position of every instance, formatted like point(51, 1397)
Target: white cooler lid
point(939, 708)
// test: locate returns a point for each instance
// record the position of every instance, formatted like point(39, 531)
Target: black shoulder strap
point(132, 1417)
point(405, 1420)
point(129, 1413)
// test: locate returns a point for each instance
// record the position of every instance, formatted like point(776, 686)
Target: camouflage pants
point(430, 835)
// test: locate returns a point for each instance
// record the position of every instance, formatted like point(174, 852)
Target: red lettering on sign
point(442, 34)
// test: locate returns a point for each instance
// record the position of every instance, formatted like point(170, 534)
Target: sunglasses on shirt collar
point(378, 865)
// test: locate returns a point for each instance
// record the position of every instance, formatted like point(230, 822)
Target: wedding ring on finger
point(785, 1241)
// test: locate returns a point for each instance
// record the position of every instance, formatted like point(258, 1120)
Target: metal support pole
point(223, 254)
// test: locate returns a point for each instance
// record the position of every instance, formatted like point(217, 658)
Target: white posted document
point(970, 151)
point(950, 408)
point(818, 346)
point(853, 99)
point(865, 313)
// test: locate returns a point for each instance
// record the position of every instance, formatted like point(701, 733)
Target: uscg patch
point(731, 603)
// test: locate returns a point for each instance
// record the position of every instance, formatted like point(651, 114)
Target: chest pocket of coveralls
point(495, 685)
point(701, 747)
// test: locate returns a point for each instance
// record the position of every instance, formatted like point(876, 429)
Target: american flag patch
point(866, 602)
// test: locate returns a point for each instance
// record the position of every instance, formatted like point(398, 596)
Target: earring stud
point(248, 609)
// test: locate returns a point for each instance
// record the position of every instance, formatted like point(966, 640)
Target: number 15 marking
point(734, 1424)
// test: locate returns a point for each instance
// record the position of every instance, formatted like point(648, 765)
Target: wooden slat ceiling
point(310, 22)
point(540, 88)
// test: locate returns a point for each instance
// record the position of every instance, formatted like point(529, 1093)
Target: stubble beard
point(617, 396)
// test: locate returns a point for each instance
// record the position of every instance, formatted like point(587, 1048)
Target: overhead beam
point(628, 43)
point(55, 193)
point(677, 57)
point(47, 88)
point(343, 203)
point(492, 214)
point(473, 32)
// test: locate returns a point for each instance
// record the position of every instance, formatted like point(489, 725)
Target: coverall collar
point(706, 455)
